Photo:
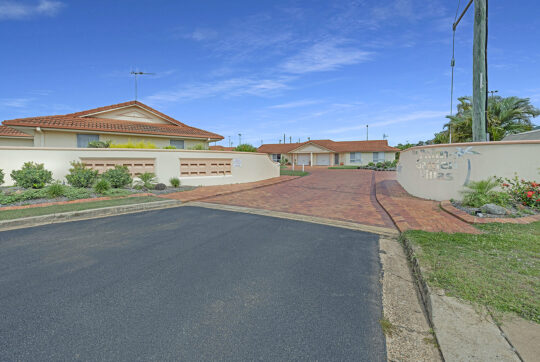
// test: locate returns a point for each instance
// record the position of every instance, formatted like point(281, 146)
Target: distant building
point(330, 153)
point(529, 135)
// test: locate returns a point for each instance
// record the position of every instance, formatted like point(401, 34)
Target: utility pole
point(367, 132)
point(284, 139)
point(229, 141)
point(239, 139)
point(493, 92)
point(480, 76)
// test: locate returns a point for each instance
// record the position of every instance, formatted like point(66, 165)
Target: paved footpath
point(409, 212)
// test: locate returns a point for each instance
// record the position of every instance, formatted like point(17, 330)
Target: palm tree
point(504, 115)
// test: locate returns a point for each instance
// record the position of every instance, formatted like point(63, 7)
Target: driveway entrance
point(347, 195)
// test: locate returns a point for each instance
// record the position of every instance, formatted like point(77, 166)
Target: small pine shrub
point(118, 176)
point(55, 189)
point(32, 175)
point(81, 176)
point(102, 186)
point(175, 181)
point(1, 176)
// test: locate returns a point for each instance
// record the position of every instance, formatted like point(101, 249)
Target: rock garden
point(34, 184)
point(500, 197)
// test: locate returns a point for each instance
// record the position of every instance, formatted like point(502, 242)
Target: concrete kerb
point(86, 214)
point(467, 333)
point(391, 233)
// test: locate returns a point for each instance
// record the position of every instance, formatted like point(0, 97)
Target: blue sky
point(319, 69)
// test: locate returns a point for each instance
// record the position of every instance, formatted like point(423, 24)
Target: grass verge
point(342, 167)
point(283, 172)
point(499, 269)
point(54, 209)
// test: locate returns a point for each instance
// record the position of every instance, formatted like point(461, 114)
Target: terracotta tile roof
point(221, 148)
point(86, 121)
point(6, 131)
point(344, 146)
point(121, 105)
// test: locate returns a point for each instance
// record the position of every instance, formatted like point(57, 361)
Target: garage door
point(323, 160)
point(303, 159)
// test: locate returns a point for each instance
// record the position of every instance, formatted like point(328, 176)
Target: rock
point(494, 209)
point(160, 187)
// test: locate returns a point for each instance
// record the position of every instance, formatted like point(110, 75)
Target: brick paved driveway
point(347, 195)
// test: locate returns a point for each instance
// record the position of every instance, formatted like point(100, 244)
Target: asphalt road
point(189, 284)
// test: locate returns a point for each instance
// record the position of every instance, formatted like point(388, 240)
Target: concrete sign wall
point(440, 172)
point(247, 166)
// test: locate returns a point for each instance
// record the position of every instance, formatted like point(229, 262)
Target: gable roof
point(6, 131)
point(86, 120)
point(529, 135)
point(343, 146)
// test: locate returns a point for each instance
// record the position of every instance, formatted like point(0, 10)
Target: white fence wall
point(246, 166)
point(440, 172)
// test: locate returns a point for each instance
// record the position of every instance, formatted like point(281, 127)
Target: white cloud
point(226, 88)
point(294, 104)
point(324, 56)
point(18, 10)
point(387, 120)
point(15, 102)
point(200, 34)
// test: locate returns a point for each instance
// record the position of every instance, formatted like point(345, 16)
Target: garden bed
point(513, 211)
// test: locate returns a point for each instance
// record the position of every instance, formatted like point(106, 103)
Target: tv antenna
point(384, 136)
point(135, 74)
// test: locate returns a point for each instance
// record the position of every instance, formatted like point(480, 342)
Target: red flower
point(534, 184)
point(505, 185)
point(529, 194)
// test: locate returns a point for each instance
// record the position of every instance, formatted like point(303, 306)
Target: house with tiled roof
point(120, 123)
point(331, 153)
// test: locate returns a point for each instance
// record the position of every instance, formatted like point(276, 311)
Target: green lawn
point(342, 167)
point(499, 269)
point(284, 172)
point(45, 210)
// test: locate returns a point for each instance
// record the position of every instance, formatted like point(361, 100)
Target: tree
point(245, 148)
point(504, 116)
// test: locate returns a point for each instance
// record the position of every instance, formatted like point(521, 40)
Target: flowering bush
point(523, 192)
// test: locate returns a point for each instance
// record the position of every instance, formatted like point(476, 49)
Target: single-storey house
point(121, 123)
point(330, 153)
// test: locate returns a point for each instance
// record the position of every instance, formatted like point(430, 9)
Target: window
point(84, 139)
point(178, 144)
point(378, 157)
point(276, 157)
point(356, 157)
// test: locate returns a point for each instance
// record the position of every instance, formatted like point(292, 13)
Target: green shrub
point(479, 193)
point(371, 164)
point(75, 193)
point(130, 144)
point(29, 194)
point(1, 176)
point(198, 146)
point(81, 176)
point(102, 186)
point(522, 191)
point(55, 189)
point(100, 144)
point(379, 165)
point(245, 148)
point(175, 181)
point(32, 175)
point(147, 180)
point(169, 147)
point(118, 176)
